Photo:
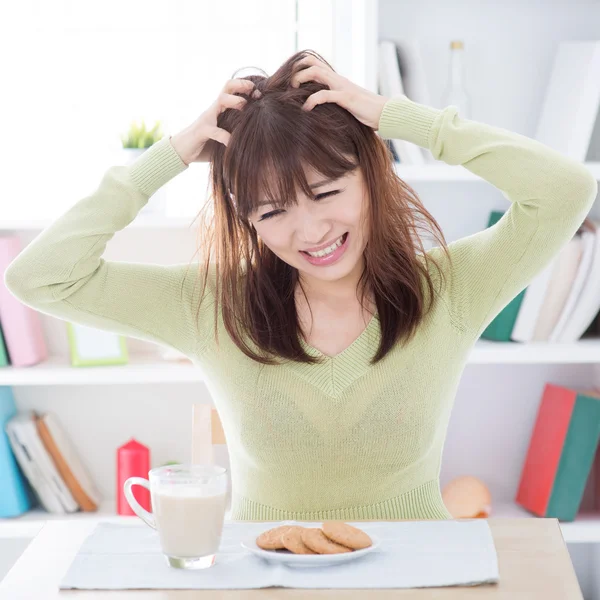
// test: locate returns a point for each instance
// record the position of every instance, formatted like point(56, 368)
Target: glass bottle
point(456, 93)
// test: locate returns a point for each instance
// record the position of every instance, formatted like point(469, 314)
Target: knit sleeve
point(550, 196)
point(62, 272)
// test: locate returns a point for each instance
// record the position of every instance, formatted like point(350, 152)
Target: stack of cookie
point(334, 537)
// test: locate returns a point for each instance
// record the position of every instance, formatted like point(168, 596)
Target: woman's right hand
point(190, 143)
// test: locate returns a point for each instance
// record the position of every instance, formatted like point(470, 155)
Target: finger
point(314, 73)
point(217, 134)
point(241, 86)
point(323, 96)
point(226, 101)
point(311, 59)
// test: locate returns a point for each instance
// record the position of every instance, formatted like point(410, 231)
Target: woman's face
point(332, 219)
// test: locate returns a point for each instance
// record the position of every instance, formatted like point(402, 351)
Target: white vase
point(157, 203)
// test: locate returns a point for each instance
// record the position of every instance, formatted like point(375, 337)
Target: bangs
point(266, 162)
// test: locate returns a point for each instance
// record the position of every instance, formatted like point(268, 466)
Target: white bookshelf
point(500, 389)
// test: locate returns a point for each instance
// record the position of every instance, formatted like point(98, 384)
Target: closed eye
point(317, 197)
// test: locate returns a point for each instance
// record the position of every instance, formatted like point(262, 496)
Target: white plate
point(307, 560)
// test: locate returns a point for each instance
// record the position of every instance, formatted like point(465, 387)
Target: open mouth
point(322, 253)
point(330, 255)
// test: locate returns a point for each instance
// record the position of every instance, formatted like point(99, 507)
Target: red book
point(133, 460)
point(561, 452)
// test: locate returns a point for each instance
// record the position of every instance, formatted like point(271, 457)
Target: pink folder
point(21, 324)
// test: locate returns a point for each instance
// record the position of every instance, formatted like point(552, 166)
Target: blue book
point(16, 493)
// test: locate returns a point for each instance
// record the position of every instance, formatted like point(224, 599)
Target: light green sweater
point(340, 440)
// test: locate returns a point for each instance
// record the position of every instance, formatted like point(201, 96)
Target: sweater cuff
point(156, 166)
point(401, 118)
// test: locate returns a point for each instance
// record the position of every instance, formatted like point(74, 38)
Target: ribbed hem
point(403, 119)
point(424, 502)
point(156, 166)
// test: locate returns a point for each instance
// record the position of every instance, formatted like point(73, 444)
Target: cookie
point(292, 540)
point(271, 539)
point(347, 535)
point(316, 540)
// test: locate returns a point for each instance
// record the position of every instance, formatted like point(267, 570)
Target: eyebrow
point(312, 186)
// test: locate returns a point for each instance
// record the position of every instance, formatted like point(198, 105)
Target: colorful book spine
point(501, 327)
point(4, 361)
point(561, 452)
point(21, 324)
point(16, 494)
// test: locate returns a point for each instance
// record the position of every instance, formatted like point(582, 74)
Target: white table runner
point(412, 554)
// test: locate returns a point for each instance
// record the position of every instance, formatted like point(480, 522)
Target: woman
point(334, 373)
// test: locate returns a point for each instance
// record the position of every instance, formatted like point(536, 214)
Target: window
point(79, 71)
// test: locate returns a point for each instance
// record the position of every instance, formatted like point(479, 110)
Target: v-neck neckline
point(316, 352)
point(335, 373)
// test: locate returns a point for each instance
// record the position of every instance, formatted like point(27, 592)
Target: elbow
point(14, 281)
point(583, 190)
point(591, 188)
point(588, 188)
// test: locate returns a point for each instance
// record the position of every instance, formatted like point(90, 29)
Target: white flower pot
point(157, 203)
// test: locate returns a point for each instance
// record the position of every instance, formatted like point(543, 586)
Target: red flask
point(133, 460)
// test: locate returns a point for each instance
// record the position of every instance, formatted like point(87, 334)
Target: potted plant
point(135, 142)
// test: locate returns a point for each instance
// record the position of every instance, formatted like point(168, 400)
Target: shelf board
point(441, 171)
point(582, 351)
point(149, 368)
point(29, 523)
point(141, 368)
point(585, 528)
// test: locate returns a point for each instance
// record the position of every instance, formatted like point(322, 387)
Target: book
point(412, 73)
point(588, 303)
point(4, 359)
point(581, 277)
point(390, 85)
point(561, 452)
point(500, 328)
point(38, 466)
point(570, 106)
point(21, 325)
point(559, 287)
point(16, 494)
point(531, 305)
point(68, 463)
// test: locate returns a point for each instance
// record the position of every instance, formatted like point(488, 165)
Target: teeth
point(329, 249)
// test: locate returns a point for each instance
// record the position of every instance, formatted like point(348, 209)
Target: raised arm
point(62, 272)
point(550, 196)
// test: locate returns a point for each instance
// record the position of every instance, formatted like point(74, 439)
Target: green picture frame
point(91, 347)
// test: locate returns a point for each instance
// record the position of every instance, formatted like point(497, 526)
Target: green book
point(500, 329)
point(4, 359)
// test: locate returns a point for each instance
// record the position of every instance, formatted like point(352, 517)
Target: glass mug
point(188, 504)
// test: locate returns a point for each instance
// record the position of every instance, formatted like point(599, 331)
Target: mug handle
point(141, 512)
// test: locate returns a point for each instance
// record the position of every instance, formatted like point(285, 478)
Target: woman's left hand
point(364, 105)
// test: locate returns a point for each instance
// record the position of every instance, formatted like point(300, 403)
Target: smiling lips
point(324, 250)
point(328, 255)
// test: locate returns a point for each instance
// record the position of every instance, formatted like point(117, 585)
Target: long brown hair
point(272, 139)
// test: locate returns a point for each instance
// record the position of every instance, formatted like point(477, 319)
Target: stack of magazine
point(39, 465)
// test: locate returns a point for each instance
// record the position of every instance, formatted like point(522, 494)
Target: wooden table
point(533, 560)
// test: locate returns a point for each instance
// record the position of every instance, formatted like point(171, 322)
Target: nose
point(313, 230)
